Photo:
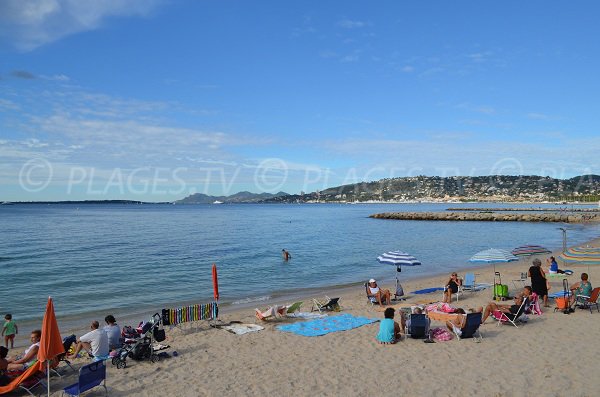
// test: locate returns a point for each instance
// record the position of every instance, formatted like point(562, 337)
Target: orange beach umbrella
point(50, 343)
point(215, 282)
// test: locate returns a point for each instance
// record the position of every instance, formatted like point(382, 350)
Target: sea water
point(95, 259)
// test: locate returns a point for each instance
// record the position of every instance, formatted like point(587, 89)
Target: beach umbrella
point(398, 258)
point(527, 250)
point(215, 281)
point(581, 255)
point(50, 343)
point(493, 255)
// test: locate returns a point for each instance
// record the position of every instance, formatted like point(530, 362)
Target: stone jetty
point(523, 209)
point(489, 216)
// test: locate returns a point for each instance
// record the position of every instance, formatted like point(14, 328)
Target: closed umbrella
point(215, 281)
point(50, 343)
point(528, 250)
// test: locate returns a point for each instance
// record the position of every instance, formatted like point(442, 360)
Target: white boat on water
point(217, 202)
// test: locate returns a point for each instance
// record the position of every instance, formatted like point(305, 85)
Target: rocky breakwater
point(488, 216)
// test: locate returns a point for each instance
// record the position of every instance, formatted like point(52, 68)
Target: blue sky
point(154, 100)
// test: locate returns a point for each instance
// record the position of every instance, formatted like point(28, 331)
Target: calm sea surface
point(126, 258)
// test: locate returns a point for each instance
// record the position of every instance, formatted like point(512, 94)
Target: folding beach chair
point(534, 305)
point(26, 380)
point(586, 302)
point(510, 317)
point(471, 328)
point(293, 308)
point(371, 298)
point(90, 376)
point(417, 326)
point(469, 282)
point(330, 304)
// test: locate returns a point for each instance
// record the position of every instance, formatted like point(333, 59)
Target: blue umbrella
point(398, 258)
point(494, 256)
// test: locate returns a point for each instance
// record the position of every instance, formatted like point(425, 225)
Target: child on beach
point(389, 330)
point(9, 330)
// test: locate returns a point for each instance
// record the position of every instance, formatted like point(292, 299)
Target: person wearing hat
point(382, 296)
point(539, 283)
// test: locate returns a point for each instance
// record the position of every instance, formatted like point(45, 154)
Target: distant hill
point(241, 197)
point(459, 188)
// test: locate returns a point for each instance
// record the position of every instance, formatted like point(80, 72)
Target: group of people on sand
point(391, 331)
point(541, 286)
point(97, 343)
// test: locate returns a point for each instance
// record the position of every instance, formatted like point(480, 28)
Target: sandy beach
point(551, 354)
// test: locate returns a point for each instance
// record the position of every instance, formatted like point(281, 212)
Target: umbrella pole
point(48, 373)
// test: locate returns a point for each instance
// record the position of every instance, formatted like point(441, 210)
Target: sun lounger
point(329, 304)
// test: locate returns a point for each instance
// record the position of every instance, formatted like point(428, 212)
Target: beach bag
point(562, 302)
point(399, 290)
point(441, 334)
point(501, 290)
point(159, 334)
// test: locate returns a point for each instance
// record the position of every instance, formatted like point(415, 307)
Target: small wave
point(5, 259)
point(248, 300)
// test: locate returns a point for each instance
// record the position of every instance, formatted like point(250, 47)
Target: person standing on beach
point(9, 331)
point(539, 283)
point(286, 255)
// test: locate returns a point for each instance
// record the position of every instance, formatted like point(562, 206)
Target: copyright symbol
point(35, 175)
point(271, 174)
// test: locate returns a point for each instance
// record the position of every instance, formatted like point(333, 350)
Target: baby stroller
point(141, 347)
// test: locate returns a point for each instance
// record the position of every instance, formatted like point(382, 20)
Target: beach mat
point(324, 326)
point(427, 290)
point(307, 315)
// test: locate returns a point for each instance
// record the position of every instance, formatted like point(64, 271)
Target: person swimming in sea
point(286, 255)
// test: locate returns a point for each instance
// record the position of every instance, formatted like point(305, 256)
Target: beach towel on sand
point(427, 290)
point(323, 326)
point(241, 329)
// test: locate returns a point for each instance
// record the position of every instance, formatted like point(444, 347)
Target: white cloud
point(32, 23)
point(350, 24)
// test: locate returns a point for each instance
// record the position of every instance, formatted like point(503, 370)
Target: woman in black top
point(451, 287)
point(539, 283)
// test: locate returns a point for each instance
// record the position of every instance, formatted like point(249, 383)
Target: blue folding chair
point(90, 376)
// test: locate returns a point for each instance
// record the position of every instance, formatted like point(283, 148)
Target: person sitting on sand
point(113, 331)
point(583, 287)
point(513, 309)
point(553, 266)
point(389, 330)
point(383, 296)
point(451, 287)
point(21, 363)
point(4, 380)
point(94, 342)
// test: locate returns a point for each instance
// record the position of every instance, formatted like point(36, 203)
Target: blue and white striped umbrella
point(493, 255)
point(398, 258)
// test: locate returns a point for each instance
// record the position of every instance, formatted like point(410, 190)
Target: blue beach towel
point(323, 326)
point(427, 290)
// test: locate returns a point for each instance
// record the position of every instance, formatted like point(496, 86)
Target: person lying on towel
point(513, 309)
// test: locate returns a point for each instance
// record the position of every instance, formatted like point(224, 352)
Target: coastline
point(78, 323)
point(271, 362)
